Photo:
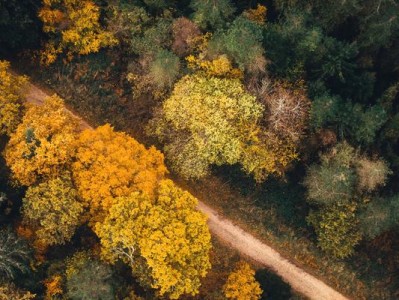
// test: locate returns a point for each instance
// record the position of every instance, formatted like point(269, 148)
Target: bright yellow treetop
point(214, 121)
point(42, 145)
point(165, 240)
point(111, 164)
point(241, 284)
point(11, 99)
point(53, 210)
point(74, 27)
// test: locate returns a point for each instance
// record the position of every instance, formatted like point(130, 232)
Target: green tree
point(87, 278)
point(211, 13)
point(20, 27)
point(164, 69)
point(15, 254)
point(337, 188)
point(379, 216)
point(165, 240)
point(53, 210)
point(334, 180)
point(242, 42)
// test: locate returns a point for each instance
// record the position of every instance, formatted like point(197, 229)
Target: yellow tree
point(110, 164)
point(165, 240)
point(241, 284)
point(52, 209)
point(74, 27)
point(11, 99)
point(209, 120)
point(43, 143)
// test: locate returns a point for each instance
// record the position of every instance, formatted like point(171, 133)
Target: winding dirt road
point(240, 240)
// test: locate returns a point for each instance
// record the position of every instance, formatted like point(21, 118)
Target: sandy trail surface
point(236, 238)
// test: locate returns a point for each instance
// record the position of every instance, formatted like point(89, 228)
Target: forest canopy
point(281, 115)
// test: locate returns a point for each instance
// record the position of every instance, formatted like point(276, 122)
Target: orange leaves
point(53, 286)
point(111, 164)
point(257, 15)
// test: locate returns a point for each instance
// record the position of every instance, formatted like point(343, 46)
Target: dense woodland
point(281, 114)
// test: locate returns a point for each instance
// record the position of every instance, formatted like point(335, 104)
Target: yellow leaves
point(267, 154)
point(76, 28)
point(53, 210)
point(220, 67)
point(11, 99)
point(164, 239)
point(111, 164)
point(241, 284)
point(43, 143)
point(9, 291)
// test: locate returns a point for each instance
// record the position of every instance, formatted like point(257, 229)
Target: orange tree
point(42, 145)
point(111, 164)
point(11, 101)
point(164, 239)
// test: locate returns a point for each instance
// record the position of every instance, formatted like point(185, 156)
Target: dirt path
point(240, 240)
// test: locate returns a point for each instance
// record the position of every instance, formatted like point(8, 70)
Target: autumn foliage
point(53, 210)
point(213, 121)
point(74, 28)
point(11, 99)
point(42, 145)
point(241, 284)
point(111, 164)
point(164, 239)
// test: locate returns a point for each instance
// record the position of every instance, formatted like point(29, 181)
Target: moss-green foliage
point(15, 254)
point(164, 69)
point(379, 216)
point(88, 279)
point(151, 35)
point(242, 42)
point(336, 186)
point(211, 13)
point(333, 181)
point(353, 121)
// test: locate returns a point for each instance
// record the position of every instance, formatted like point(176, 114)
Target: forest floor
point(235, 237)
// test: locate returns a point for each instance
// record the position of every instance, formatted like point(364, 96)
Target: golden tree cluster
point(118, 186)
point(74, 27)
